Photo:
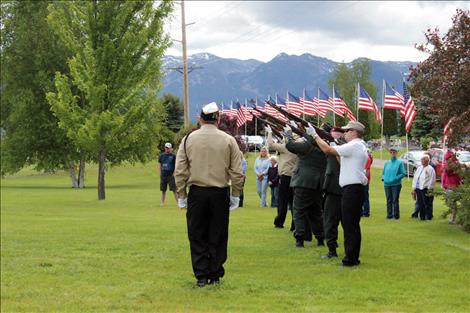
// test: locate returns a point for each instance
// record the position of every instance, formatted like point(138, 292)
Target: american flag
point(269, 109)
point(228, 111)
point(394, 100)
point(366, 103)
point(294, 104)
point(324, 102)
point(410, 109)
point(241, 118)
point(311, 106)
point(255, 104)
point(341, 104)
point(281, 103)
point(247, 111)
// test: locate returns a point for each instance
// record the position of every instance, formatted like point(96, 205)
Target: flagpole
point(334, 106)
point(407, 150)
point(318, 99)
point(303, 106)
point(246, 122)
point(357, 102)
point(382, 131)
point(256, 121)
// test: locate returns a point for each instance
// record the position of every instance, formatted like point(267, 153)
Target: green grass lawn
point(62, 250)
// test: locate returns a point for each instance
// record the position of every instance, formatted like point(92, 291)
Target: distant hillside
point(223, 79)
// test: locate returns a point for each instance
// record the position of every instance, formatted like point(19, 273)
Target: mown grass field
point(62, 250)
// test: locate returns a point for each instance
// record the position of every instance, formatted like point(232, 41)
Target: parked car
point(412, 160)
point(253, 142)
point(463, 157)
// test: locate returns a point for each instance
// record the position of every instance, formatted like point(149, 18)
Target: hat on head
point(168, 145)
point(354, 125)
point(210, 112)
point(392, 149)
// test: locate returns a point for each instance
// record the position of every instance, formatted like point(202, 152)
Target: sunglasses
point(348, 130)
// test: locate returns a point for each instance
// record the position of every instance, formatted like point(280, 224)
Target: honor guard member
point(332, 203)
point(307, 181)
point(208, 159)
point(287, 162)
point(352, 179)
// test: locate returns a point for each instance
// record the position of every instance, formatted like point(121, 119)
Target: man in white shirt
point(352, 179)
point(423, 184)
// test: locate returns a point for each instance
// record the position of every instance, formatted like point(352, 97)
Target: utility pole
point(185, 68)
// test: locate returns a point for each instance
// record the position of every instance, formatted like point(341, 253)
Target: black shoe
point(299, 243)
point(214, 281)
point(351, 264)
point(331, 254)
point(320, 243)
point(278, 226)
point(202, 282)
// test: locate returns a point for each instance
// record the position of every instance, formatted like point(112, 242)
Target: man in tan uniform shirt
point(287, 162)
point(207, 161)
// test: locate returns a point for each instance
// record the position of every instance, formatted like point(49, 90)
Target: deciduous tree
point(441, 82)
point(116, 49)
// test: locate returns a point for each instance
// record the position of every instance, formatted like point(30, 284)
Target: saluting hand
point(268, 129)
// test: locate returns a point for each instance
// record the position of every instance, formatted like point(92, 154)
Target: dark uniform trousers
point(351, 211)
point(286, 197)
point(207, 219)
point(331, 219)
point(308, 213)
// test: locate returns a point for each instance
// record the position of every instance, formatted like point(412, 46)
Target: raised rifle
point(276, 123)
point(323, 134)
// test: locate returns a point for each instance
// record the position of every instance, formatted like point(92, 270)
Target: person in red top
point(450, 180)
point(366, 204)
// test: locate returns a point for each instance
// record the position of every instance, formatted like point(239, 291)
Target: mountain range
point(213, 78)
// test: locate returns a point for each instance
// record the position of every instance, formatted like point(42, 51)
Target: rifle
point(323, 134)
point(276, 123)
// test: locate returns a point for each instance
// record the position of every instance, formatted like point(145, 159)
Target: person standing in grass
point(392, 174)
point(352, 180)
point(244, 164)
point(423, 185)
point(450, 180)
point(332, 203)
point(273, 181)
point(261, 170)
point(208, 159)
point(167, 169)
point(286, 165)
point(366, 204)
point(307, 182)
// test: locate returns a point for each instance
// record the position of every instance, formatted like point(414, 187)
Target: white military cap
point(210, 108)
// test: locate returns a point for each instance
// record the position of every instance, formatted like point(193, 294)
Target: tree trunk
point(101, 172)
point(73, 178)
point(81, 174)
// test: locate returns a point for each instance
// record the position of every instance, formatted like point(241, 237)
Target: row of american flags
point(322, 103)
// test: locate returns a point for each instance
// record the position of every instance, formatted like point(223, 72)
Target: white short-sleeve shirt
point(353, 161)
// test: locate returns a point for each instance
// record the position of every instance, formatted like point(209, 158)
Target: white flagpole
point(357, 102)
point(256, 121)
point(382, 131)
point(303, 106)
point(407, 150)
point(334, 106)
point(246, 121)
point(318, 99)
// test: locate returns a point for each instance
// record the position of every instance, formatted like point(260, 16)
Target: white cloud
point(341, 31)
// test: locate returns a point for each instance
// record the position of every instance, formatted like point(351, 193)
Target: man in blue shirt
point(167, 169)
point(392, 174)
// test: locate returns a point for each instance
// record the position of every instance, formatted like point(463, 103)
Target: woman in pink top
point(450, 180)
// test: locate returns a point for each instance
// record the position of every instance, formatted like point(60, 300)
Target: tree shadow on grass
point(90, 187)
